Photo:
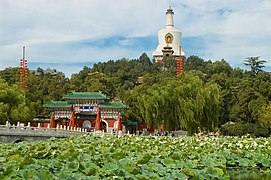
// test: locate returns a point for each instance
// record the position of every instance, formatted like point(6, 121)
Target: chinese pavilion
point(89, 110)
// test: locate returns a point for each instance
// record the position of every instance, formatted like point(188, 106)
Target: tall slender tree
point(255, 64)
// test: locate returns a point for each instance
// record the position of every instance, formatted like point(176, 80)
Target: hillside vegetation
point(208, 95)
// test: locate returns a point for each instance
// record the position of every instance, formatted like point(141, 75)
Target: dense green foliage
point(239, 129)
point(206, 96)
point(185, 101)
point(136, 157)
point(13, 105)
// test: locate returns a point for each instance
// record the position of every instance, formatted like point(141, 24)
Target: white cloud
point(51, 29)
point(232, 30)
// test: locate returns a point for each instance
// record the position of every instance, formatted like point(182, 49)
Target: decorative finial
point(169, 13)
point(169, 10)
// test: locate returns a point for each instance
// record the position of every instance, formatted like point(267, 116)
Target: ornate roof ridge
point(86, 95)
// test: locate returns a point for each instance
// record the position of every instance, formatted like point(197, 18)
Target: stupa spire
point(169, 13)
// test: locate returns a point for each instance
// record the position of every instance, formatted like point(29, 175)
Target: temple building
point(89, 110)
point(169, 42)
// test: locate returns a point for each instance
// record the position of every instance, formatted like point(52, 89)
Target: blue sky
point(69, 34)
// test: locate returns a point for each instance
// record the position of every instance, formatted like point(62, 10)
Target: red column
point(98, 120)
point(52, 121)
point(119, 123)
point(72, 120)
point(71, 123)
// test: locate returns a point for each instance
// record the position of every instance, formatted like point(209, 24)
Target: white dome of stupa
point(169, 37)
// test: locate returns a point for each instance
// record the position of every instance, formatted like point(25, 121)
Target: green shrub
point(240, 129)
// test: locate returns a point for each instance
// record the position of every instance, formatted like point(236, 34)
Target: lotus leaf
point(136, 157)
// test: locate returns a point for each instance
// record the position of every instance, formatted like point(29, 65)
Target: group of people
point(162, 133)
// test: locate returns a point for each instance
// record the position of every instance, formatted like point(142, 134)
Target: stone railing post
point(7, 125)
point(119, 134)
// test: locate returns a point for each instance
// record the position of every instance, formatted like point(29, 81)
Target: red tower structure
point(179, 66)
point(23, 70)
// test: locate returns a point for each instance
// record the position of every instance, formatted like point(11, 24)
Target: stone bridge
point(11, 134)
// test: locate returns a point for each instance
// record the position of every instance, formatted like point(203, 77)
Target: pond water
point(250, 174)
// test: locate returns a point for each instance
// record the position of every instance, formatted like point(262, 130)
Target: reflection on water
point(249, 174)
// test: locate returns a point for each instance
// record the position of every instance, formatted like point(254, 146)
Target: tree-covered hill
point(206, 96)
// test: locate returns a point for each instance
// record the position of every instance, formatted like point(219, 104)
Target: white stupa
point(169, 40)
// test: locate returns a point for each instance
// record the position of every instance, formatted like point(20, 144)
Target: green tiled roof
point(134, 123)
point(112, 105)
point(85, 95)
point(54, 104)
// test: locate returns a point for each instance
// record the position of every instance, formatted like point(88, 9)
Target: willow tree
point(186, 101)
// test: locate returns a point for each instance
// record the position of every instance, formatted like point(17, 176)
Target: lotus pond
point(137, 157)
